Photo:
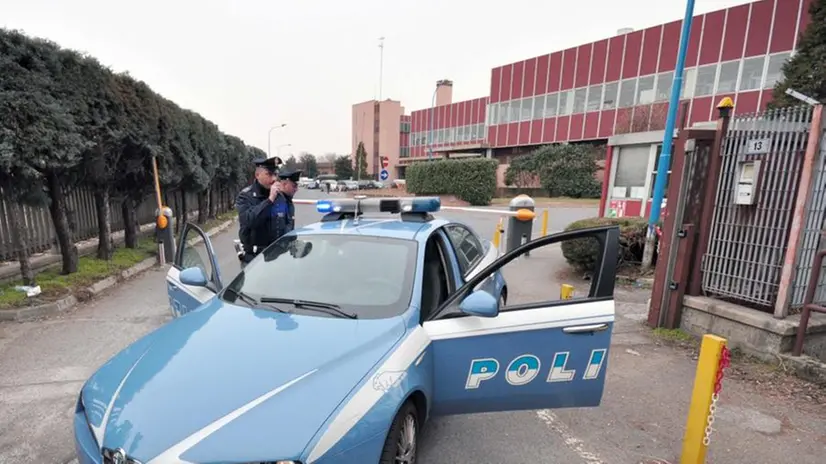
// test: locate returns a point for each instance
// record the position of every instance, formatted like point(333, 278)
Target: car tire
point(401, 444)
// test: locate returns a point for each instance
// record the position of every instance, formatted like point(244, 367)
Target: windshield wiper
point(252, 302)
point(328, 308)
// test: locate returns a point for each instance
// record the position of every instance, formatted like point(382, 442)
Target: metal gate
point(747, 244)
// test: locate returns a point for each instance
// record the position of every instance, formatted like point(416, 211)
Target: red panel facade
point(805, 17)
point(463, 113)
point(562, 124)
point(505, 93)
point(548, 130)
point(760, 26)
point(766, 97)
point(591, 125)
point(712, 37)
point(598, 57)
point(501, 133)
point(513, 134)
point(784, 27)
point(670, 46)
point(606, 123)
point(633, 47)
point(542, 75)
point(736, 24)
point(616, 49)
point(517, 80)
point(700, 110)
point(576, 127)
point(528, 89)
point(524, 133)
point(495, 79)
point(746, 102)
point(481, 112)
point(536, 132)
point(555, 73)
point(650, 50)
point(568, 68)
point(583, 65)
point(622, 121)
point(694, 41)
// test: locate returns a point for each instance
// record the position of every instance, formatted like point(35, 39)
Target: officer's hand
point(274, 190)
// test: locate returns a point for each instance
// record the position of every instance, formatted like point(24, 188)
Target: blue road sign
point(384, 174)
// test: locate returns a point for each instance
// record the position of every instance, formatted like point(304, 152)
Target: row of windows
point(760, 72)
point(449, 135)
point(405, 127)
point(404, 152)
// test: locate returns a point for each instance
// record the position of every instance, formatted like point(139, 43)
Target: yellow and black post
point(520, 225)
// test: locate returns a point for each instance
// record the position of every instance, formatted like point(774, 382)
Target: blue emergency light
point(422, 205)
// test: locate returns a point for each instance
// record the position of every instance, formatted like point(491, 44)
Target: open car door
point(192, 289)
point(535, 352)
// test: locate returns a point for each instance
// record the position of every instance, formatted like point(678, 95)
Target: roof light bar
point(380, 205)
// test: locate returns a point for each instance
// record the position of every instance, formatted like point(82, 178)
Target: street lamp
point(278, 148)
point(269, 136)
point(430, 135)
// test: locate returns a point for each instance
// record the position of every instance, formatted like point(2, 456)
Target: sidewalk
point(764, 415)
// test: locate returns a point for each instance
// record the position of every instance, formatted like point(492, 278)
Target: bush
point(563, 170)
point(582, 253)
point(471, 180)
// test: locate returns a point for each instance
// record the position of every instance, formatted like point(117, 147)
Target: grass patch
point(673, 335)
point(219, 219)
point(89, 270)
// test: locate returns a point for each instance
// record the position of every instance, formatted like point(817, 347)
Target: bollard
point(497, 234)
point(520, 225)
point(566, 292)
point(713, 360)
point(165, 236)
point(544, 222)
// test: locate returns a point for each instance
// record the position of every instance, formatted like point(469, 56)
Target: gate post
point(710, 195)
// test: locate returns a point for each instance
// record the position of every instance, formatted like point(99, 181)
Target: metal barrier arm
point(808, 303)
point(501, 212)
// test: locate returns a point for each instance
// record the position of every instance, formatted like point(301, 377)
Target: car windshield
point(369, 277)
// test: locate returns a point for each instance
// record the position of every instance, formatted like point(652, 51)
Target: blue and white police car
point(339, 341)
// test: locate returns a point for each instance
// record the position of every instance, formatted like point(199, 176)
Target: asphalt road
point(44, 364)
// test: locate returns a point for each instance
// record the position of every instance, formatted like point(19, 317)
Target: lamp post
point(269, 137)
point(430, 135)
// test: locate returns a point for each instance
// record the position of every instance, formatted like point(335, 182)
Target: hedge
point(471, 180)
point(582, 253)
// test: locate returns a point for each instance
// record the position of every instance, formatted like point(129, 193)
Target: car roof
point(389, 226)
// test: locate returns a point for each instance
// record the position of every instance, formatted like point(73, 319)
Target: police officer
point(265, 208)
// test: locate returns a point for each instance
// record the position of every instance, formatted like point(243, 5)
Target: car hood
point(230, 384)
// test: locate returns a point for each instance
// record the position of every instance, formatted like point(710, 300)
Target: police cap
point(270, 164)
point(291, 174)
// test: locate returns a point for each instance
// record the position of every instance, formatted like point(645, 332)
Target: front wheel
point(401, 445)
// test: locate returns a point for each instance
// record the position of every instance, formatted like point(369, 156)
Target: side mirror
point(480, 303)
point(194, 277)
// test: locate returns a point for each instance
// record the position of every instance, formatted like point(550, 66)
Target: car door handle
point(582, 329)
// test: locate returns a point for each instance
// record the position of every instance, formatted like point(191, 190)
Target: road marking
point(575, 444)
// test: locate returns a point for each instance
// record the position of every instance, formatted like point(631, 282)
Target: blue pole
point(430, 135)
point(673, 105)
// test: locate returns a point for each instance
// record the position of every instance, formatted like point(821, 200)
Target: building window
point(752, 75)
point(580, 97)
point(503, 112)
point(645, 90)
point(566, 102)
point(527, 109)
point(491, 114)
point(626, 95)
point(727, 81)
point(630, 176)
point(705, 80)
point(609, 99)
point(774, 71)
point(668, 173)
point(551, 102)
point(594, 98)
point(664, 82)
point(689, 81)
point(538, 107)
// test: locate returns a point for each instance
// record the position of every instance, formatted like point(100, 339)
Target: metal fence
point(37, 222)
point(748, 243)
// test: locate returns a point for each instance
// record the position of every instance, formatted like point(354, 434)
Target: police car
point(297, 361)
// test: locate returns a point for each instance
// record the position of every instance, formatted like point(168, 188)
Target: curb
point(643, 282)
point(35, 312)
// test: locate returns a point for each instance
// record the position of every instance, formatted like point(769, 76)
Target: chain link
point(725, 362)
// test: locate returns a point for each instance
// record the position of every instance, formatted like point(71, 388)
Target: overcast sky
point(248, 65)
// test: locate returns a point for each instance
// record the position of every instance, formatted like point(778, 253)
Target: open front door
point(194, 251)
point(539, 351)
